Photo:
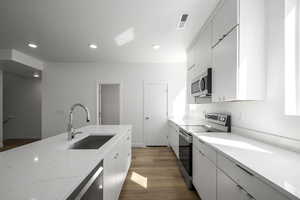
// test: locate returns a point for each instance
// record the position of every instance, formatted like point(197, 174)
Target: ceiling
point(124, 30)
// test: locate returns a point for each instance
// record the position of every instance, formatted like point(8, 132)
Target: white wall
point(265, 116)
point(1, 108)
point(67, 83)
point(22, 99)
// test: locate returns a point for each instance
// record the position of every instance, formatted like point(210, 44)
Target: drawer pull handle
point(116, 156)
point(239, 187)
point(201, 153)
point(200, 141)
point(244, 170)
point(250, 196)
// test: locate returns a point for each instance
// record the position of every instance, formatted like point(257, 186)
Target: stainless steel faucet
point(71, 131)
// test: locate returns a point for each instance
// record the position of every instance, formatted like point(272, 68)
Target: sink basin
point(92, 142)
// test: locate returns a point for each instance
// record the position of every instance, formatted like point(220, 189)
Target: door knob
point(147, 118)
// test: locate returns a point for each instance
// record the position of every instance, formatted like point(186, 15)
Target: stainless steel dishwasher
point(92, 186)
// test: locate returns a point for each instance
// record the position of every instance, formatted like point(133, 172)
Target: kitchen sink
point(92, 142)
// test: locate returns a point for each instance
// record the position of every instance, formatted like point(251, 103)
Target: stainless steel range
point(214, 122)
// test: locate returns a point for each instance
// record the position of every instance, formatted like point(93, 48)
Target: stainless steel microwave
point(202, 85)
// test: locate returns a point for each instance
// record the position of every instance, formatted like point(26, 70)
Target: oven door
point(185, 151)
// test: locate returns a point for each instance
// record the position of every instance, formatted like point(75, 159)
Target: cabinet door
point(191, 57)
point(205, 52)
point(225, 64)
point(207, 178)
point(190, 99)
point(227, 189)
point(169, 135)
point(176, 142)
point(196, 168)
point(110, 178)
point(172, 136)
point(225, 19)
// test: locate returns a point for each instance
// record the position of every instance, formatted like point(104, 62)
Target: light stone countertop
point(274, 165)
point(47, 169)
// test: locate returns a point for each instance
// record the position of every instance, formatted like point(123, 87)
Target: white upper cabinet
point(199, 58)
point(232, 43)
point(225, 62)
point(226, 18)
point(238, 51)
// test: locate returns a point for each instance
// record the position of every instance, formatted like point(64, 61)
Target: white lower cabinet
point(216, 177)
point(116, 164)
point(204, 176)
point(229, 190)
point(173, 138)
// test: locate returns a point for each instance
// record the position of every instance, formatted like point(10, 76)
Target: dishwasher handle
point(89, 183)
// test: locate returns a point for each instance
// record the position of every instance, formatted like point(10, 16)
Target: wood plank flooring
point(13, 143)
point(154, 175)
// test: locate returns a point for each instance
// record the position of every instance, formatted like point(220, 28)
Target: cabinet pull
point(116, 156)
point(239, 187)
point(244, 170)
point(201, 153)
point(128, 138)
point(250, 196)
point(200, 141)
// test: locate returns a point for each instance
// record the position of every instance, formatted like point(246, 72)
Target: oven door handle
point(186, 137)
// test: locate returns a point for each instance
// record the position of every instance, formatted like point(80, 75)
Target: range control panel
point(219, 118)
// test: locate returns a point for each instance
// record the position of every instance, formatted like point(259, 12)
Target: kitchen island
point(50, 170)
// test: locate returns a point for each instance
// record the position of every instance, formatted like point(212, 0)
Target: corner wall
point(1, 109)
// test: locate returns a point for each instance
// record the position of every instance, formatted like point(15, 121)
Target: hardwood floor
point(13, 143)
point(154, 175)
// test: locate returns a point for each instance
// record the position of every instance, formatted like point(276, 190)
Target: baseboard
point(272, 139)
point(1, 144)
point(140, 145)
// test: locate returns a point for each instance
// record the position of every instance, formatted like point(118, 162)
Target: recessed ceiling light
point(93, 46)
point(156, 46)
point(32, 45)
point(36, 75)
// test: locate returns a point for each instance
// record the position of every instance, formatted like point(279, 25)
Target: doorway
point(155, 113)
point(109, 104)
point(22, 114)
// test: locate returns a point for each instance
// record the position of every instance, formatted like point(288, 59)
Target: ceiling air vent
point(182, 22)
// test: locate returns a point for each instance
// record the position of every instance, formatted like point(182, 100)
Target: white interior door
point(155, 114)
point(109, 104)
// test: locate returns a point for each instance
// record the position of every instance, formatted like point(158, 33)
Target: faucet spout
point(70, 129)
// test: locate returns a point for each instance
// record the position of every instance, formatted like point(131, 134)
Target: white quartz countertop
point(276, 166)
point(47, 169)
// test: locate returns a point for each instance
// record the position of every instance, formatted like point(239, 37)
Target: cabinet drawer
point(210, 153)
point(255, 187)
